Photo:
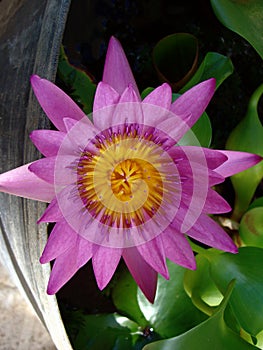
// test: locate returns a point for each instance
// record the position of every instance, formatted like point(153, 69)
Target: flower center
point(125, 177)
point(124, 182)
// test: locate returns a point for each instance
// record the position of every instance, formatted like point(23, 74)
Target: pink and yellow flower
point(121, 186)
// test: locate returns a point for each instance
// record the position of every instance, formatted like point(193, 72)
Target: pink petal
point(47, 141)
point(177, 248)
point(54, 170)
point(117, 71)
point(194, 101)
point(236, 162)
point(129, 95)
point(79, 135)
point(55, 103)
point(214, 158)
point(205, 156)
point(144, 275)
point(215, 204)
point(195, 184)
point(156, 106)
point(69, 123)
point(68, 263)
point(44, 168)
point(52, 213)
point(105, 261)
point(215, 178)
point(175, 125)
point(210, 233)
point(154, 254)
point(161, 96)
point(22, 182)
point(128, 109)
point(62, 238)
point(105, 96)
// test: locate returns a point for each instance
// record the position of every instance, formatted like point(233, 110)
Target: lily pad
point(173, 311)
point(106, 332)
point(201, 288)
point(243, 17)
point(124, 296)
point(175, 59)
point(247, 137)
point(215, 66)
point(80, 85)
point(246, 299)
point(251, 227)
point(211, 334)
point(258, 202)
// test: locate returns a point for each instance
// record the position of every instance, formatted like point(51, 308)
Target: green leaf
point(251, 227)
point(260, 340)
point(215, 66)
point(175, 59)
point(201, 288)
point(247, 137)
point(243, 17)
point(107, 332)
point(104, 331)
point(258, 202)
point(200, 134)
point(124, 296)
point(211, 334)
point(246, 299)
point(80, 85)
point(172, 312)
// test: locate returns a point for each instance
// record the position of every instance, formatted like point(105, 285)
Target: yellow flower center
point(124, 178)
point(122, 184)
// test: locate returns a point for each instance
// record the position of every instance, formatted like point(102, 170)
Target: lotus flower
point(121, 186)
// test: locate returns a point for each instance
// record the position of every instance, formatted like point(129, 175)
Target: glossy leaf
point(260, 340)
point(215, 66)
point(246, 299)
point(251, 227)
point(107, 332)
point(211, 334)
point(80, 85)
point(175, 59)
point(124, 296)
point(248, 137)
point(173, 311)
point(201, 288)
point(243, 17)
point(258, 202)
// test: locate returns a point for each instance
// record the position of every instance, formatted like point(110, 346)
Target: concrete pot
point(30, 37)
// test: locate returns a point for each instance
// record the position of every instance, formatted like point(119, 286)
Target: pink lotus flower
point(122, 186)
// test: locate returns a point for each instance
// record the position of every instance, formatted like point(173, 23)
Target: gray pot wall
point(30, 36)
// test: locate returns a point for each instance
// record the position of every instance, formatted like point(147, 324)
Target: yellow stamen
point(123, 184)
